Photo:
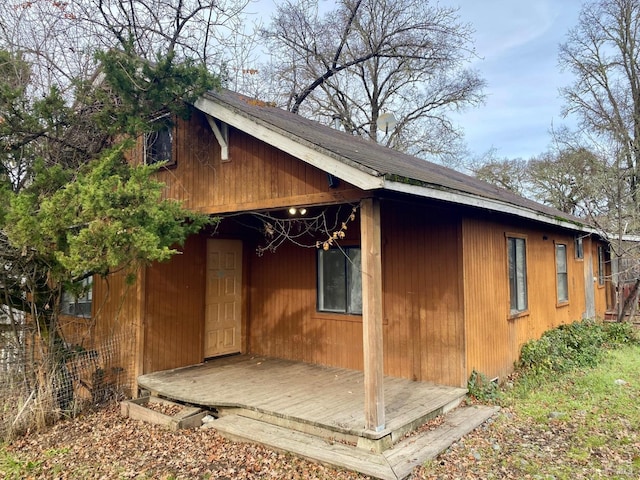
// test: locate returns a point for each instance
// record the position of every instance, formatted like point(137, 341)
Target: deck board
point(393, 464)
point(318, 395)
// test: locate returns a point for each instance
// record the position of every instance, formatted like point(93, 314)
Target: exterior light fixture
point(293, 211)
point(303, 211)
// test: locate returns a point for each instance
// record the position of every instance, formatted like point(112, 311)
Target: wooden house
point(429, 274)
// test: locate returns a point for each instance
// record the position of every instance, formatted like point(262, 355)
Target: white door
point(223, 310)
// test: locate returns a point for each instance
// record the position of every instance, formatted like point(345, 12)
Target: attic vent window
point(159, 146)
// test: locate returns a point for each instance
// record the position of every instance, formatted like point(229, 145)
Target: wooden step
point(311, 447)
point(393, 464)
point(316, 429)
point(417, 449)
point(397, 427)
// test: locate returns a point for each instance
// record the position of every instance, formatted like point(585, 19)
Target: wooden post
point(139, 325)
point(372, 314)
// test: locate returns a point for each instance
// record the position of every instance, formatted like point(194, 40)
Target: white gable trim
point(307, 154)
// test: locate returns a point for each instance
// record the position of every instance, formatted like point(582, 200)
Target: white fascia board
point(307, 154)
point(462, 198)
point(625, 237)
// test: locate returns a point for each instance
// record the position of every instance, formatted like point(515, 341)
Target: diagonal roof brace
point(222, 135)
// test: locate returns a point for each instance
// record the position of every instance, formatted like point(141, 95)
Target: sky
point(517, 45)
point(518, 42)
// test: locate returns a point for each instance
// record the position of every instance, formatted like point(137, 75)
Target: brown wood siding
point(283, 321)
point(174, 318)
point(424, 337)
point(116, 317)
point(257, 176)
point(156, 331)
point(423, 331)
point(493, 337)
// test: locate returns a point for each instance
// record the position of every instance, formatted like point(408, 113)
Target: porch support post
point(372, 314)
point(139, 327)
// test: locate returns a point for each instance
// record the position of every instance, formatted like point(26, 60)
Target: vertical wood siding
point(159, 330)
point(424, 337)
point(283, 321)
point(445, 279)
point(494, 339)
point(423, 331)
point(174, 318)
point(117, 310)
point(257, 176)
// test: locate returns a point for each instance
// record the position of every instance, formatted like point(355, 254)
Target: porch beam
point(372, 314)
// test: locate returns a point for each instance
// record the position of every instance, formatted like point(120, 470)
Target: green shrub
point(620, 333)
point(481, 387)
point(564, 348)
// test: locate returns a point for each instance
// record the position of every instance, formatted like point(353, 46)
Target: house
point(333, 250)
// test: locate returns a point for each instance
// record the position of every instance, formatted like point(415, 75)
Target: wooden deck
point(325, 401)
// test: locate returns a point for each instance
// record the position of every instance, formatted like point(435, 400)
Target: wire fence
point(37, 388)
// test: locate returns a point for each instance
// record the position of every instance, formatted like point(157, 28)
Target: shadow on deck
point(324, 401)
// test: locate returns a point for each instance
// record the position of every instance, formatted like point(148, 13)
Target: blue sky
point(518, 44)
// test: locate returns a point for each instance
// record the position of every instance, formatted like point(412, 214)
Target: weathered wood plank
point(372, 314)
point(418, 449)
point(323, 396)
point(395, 463)
point(308, 446)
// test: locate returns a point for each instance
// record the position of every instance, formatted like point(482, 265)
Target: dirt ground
point(105, 445)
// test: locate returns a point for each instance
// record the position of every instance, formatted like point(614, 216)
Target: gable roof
point(368, 165)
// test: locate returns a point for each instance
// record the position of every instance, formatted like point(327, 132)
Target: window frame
point(600, 255)
point(562, 278)
point(151, 156)
point(578, 246)
point(349, 279)
point(515, 308)
point(72, 301)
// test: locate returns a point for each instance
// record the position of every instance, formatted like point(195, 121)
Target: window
point(159, 146)
point(601, 272)
point(562, 280)
point(579, 248)
point(77, 303)
point(340, 281)
point(516, 250)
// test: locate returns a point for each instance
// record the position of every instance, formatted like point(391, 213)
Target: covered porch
point(327, 402)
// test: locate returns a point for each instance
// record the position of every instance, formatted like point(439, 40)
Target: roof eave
point(361, 176)
point(468, 199)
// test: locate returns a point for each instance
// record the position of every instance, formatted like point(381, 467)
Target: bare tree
point(602, 52)
point(366, 58)
point(510, 174)
point(59, 39)
point(565, 179)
